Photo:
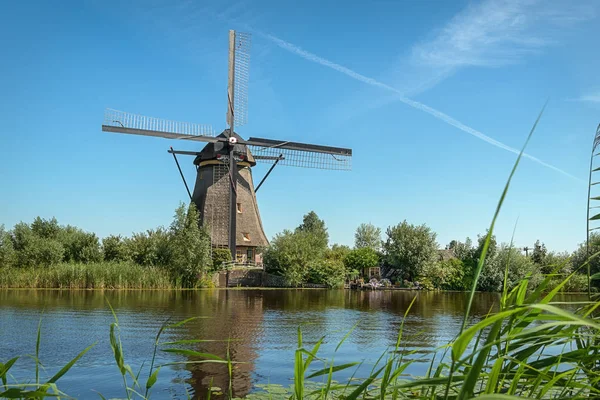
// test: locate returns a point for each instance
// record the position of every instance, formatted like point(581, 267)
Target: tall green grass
point(106, 275)
point(530, 348)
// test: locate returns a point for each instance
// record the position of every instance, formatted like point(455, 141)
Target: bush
point(292, 254)
point(189, 246)
point(364, 257)
point(447, 274)
point(80, 246)
point(8, 255)
point(115, 249)
point(220, 256)
point(410, 249)
point(150, 248)
point(329, 272)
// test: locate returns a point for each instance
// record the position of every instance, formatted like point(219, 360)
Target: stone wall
point(254, 278)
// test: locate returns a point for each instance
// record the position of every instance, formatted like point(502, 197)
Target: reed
point(105, 275)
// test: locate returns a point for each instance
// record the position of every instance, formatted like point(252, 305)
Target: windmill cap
point(213, 151)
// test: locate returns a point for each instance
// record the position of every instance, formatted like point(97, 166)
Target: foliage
point(220, 256)
point(7, 250)
point(104, 275)
point(410, 249)
point(580, 256)
point(79, 246)
point(292, 254)
point(367, 235)
point(115, 248)
point(330, 272)
point(337, 252)
point(446, 274)
point(364, 257)
point(538, 256)
point(189, 246)
point(150, 248)
point(462, 250)
point(316, 228)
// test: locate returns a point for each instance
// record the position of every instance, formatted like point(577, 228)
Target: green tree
point(150, 248)
point(538, 256)
point(48, 229)
point(80, 246)
point(337, 252)
point(462, 250)
point(446, 274)
point(190, 246)
point(33, 250)
point(316, 228)
point(330, 272)
point(360, 258)
point(410, 249)
point(115, 248)
point(292, 254)
point(367, 235)
point(8, 256)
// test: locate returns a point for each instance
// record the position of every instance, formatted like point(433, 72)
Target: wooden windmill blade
point(134, 124)
point(303, 155)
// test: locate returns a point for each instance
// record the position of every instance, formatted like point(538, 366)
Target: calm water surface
point(265, 322)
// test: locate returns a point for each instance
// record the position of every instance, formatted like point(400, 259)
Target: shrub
point(80, 246)
point(364, 257)
point(329, 272)
point(189, 245)
point(291, 255)
point(220, 256)
point(8, 255)
point(446, 274)
point(410, 248)
point(115, 248)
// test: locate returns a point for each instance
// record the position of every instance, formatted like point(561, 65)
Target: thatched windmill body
point(224, 190)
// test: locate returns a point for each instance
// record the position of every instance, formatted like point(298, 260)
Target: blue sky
point(433, 97)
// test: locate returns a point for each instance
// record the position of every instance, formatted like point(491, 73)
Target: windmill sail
point(239, 76)
point(124, 122)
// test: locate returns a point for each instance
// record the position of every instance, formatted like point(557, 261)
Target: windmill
point(224, 191)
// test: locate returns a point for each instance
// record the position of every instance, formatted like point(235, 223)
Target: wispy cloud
point(588, 98)
point(494, 33)
point(400, 96)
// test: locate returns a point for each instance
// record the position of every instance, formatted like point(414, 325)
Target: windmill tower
point(224, 191)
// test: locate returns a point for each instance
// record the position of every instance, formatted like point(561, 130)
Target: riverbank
point(108, 275)
point(127, 276)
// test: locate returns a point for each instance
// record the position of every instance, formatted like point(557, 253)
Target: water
point(264, 322)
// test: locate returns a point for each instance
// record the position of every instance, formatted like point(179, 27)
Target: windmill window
point(246, 237)
point(239, 208)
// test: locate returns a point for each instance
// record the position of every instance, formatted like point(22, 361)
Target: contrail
point(415, 104)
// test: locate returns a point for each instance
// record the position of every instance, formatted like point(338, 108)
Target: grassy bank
point(104, 275)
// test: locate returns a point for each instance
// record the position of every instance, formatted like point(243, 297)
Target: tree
point(80, 246)
point(292, 254)
point(367, 235)
point(360, 258)
point(492, 248)
point(115, 248)
point(189, 245)
point(582, 255)
point(539, 256)
point(33, 250)
point(410, 248)
point(462, 251)
point(7, 251)
point(316, 227)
